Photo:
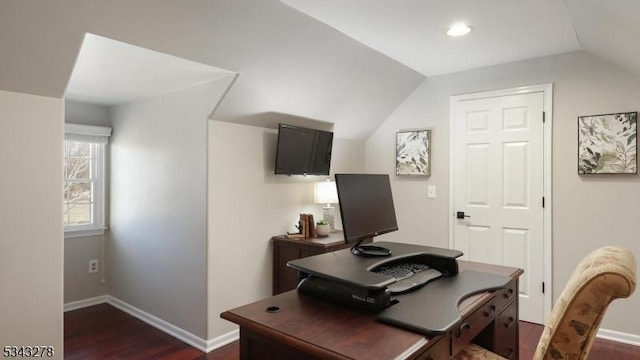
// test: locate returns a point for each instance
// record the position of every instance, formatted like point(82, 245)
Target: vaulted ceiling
point(413, 31)
point(346, 62)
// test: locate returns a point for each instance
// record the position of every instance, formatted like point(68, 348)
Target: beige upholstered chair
point(602, 276)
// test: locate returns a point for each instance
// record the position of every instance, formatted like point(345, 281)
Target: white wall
point(31, 129)
point(248, 205)
point(157, 247)
point(588, 211)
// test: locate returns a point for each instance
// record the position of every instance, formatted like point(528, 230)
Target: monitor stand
point(369, 250)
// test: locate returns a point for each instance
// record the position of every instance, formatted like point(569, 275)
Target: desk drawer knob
point(464, 328)
point(490, 311)
point(507, 294)
point(509, 322)
point(509, 353)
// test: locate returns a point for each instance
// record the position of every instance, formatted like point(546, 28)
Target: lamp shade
point(325, 192)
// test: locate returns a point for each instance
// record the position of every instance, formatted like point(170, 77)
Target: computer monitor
point(366, 208)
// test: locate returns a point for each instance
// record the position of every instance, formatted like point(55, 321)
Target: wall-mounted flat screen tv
point(303, 151)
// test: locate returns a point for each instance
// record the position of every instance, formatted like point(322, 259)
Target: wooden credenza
point(295, 326)
point(285, 250)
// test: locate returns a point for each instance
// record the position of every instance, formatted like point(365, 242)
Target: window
point(84, 179)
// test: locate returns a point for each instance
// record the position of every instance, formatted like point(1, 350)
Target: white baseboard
point(625, 338)
point(223, 340)
point(179, 333)
point(75, 305)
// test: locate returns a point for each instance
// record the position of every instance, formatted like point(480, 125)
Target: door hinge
point(543, 287)
point(543, 202)
point(544, 116)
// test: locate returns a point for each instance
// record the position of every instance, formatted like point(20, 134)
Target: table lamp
point(325, 193)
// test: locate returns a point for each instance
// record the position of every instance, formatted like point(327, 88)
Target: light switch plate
point(431, 191)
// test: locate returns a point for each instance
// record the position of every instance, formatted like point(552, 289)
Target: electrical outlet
point(93, 266)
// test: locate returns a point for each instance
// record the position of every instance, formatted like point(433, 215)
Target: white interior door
point(498, 183)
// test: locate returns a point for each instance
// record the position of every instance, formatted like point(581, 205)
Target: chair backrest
point(602, 276)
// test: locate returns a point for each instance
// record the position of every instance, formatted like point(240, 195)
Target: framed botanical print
point(413, 152)
point(607, 144)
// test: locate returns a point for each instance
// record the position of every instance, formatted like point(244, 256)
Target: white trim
point(87, 130)
point(69, 234)
point(618, 336)
point(548, 196)
point(75, 305)
point(223, 340)
point(547, 90)
point(177, 332)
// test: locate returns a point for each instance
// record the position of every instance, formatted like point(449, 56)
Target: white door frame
point(547, 90)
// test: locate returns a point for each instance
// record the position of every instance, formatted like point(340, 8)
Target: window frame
point(97, 136)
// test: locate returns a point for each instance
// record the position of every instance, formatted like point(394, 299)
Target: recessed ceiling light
point(458, 29)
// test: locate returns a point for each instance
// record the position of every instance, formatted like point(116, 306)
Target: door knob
point(461, 215)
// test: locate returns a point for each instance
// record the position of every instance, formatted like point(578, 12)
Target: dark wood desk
point(303, 327)
point(285, 250)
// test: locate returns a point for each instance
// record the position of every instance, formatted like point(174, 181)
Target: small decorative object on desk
point(323, 228)
point(306, 228)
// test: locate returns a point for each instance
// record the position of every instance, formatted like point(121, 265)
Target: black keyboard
point(409, 276)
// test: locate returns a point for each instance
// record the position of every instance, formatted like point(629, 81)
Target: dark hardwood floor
point(104, 332)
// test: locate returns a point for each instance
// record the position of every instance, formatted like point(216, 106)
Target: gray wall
point(78, 112)
point(157, 249)
point(79, 284)
point(588, 211)
point(31, 246)
point(248, 205)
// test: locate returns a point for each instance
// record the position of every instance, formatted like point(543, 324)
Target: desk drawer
point(470, 327)
point(507, 332)
point(439, 351)
point(506, 295)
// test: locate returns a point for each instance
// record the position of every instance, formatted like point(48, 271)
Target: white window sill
point(82, 233)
